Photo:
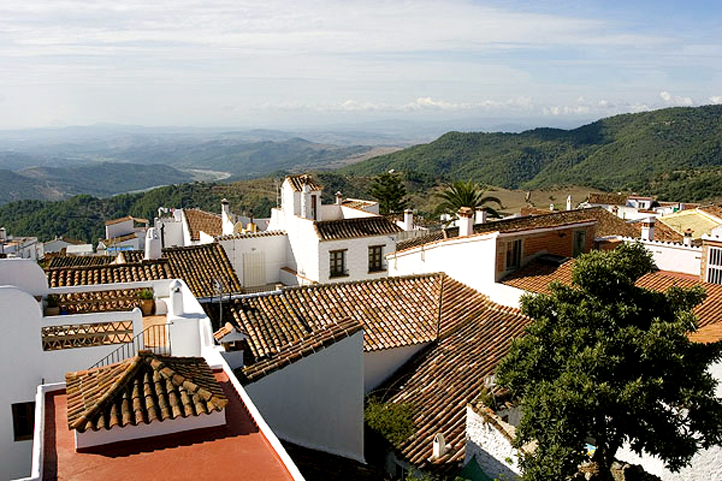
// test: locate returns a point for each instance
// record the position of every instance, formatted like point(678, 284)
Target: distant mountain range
point(671, 152)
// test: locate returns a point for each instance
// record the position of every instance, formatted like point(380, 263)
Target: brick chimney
point(688, 237)
point(648, 229)
point(466, 221)
point(408, 220)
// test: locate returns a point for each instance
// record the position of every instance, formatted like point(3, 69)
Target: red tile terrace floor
point(238, 449)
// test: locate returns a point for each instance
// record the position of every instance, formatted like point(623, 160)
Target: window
point(338, 263)
point(376, 257)
point(313, 207)
point(580, 242)
point(23, 421)
point(714, 265)
point(513, 254)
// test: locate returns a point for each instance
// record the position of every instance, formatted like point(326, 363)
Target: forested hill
point(670, 152)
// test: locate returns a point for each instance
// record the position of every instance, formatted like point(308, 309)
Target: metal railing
point(154, 338)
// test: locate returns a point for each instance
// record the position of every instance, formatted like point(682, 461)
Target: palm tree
point(465, 194)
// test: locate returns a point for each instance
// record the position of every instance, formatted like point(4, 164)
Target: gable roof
point(607, 224)
point(199, 220)
point(357, 227)
point(536, 277)
point(127, 217)
point(140, 390)
point(298, 181)
point(440, 382)
point(199, 266)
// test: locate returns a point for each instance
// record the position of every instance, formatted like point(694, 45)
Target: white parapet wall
point(490, 444)
point(672, 256)
point(380, 365)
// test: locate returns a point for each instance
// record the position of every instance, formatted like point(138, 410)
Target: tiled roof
point(357, 203)
point(78, 261)
point(120, 238)
point(123, 219)
point(607, 224)
point(441, 381)
point(100, 301)
point(358, 227)
point(607, 199)
point(307, 345)
point(700, 222)
point(129, 257)
point(298, 181)
point(140, 390)
point(714, 210)
point(200, 220)
point(535, 277)
point(662, 232)
point(199, 266)
point(252, 235)
point(109, 274)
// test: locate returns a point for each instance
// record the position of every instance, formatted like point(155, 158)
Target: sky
point(276, 63)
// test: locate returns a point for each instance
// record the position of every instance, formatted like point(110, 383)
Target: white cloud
point(716, 99)
point(675, 100)
point(666, 96)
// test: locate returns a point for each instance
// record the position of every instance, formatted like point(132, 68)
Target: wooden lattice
point(86, 335)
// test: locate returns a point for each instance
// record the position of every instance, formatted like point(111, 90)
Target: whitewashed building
point(126, 233)
point(22, 247)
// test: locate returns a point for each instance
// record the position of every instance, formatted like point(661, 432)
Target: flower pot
point(146, 305)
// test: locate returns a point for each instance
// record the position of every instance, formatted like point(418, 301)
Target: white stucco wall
point(705, 466)
point(275, 251)
point(470, 260)
point(25, 274)
point(357, 257)
point(173, 235)
point(380, 365)
point(670, 256)
point(317, 402)
point(490, 447)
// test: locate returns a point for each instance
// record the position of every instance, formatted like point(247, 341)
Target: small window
point(376, 258)
point(580, 243)
point(23, 421)
point(338, 263)
point(313, 207)
point(513, 254)
point(714, 265)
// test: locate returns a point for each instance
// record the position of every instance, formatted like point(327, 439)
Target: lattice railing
point(72, 336)
point(154, 338)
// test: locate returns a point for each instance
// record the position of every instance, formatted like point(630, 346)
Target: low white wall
point(317, 402)
point(380, 365)
point(491, 448)
point(100, 437)
point(670, 256)
point(25, 274)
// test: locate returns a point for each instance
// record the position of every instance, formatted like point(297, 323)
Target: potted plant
point(146, 301)
point(52, 305)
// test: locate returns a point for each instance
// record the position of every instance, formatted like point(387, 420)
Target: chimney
point(688, 237)
point(176, 298)
point(227, 218)
point(569, 202)
point(648, 229)
point(3, 235)
point(408, 220)
point(339, 198)
point(306, 201)
point(466, 221)
point(615, 210)
point(251, 227)
point(551, 207)
point(481, 216)
point(439, 446)
point(153, 249)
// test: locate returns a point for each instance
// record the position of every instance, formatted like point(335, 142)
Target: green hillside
point(632, 151)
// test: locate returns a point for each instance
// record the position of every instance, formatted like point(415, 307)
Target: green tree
point(607, 362)
point(390, 192)
point(465, 194)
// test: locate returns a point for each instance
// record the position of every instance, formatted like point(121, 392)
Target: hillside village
point(200, 337)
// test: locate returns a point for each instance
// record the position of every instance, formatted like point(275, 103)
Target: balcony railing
point(154, 338)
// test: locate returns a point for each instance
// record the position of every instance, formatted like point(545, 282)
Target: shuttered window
point(714, 265)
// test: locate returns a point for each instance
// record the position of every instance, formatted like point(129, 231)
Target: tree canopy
point(607, 362)
point(465, 194)
point(388, 189)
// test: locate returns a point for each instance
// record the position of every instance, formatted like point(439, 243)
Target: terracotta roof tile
point(535, 277)
point(714, 210)
point(358, 227)
point(252, 235)
point(100, 301)
point(607, 199)
point(59, 261)
point(298, 181)
point(442, 380)
point(109, 274)
point(200, 220)
point(140, 390)
point(662, 232)
point(127, 217)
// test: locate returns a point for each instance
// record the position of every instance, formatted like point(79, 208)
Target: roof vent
point(440, 447)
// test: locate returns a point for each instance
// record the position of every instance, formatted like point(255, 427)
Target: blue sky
point(305, 63)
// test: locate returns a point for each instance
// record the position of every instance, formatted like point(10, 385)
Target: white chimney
point(481, 216)
point(339, 198)
point(569, 202)
point(306, 201)
point(153, 248)
point(227, 218)
point(551, 207)
point(176, 298)
point(3, 235)
point(439, 446)
point(688, 238)
point(648, 229)
point(466, 221)
point(408, 220)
